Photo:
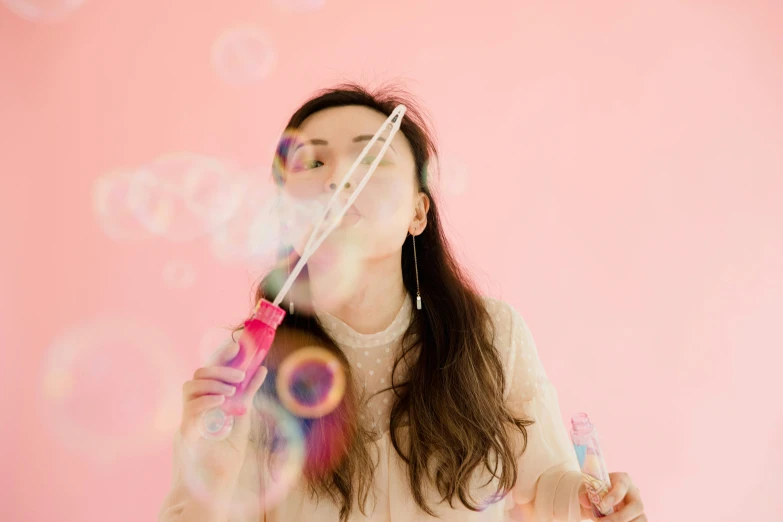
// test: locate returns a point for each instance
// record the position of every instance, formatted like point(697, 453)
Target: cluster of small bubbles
point(299, 216)
point(45, 11)
point(270, 220)
point(180, 197)
point(178, 274)
point(110, 389)
point(266, 219)
point(311, 382)
point(298, 6)
point(184, 196)
point(243, 55)
point(252, 235)
point(447, 174)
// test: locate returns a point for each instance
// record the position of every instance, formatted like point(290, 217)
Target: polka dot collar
point(347, 336)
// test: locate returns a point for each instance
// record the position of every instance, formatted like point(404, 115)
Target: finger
point(203, 403)
point(627, 513)
point(199, 387)
point(584, 499)
point(225, 353)
point(631, 508)
point(254, 385)
point(621, 482)
point(587, 513)
point(634, 497)
point(582, 494)
point(220, 373)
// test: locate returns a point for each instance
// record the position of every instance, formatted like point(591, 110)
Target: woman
point(448, 411)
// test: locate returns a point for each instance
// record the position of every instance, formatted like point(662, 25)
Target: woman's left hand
point(624, 497)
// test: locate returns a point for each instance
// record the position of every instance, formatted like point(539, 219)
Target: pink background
point(612, 169)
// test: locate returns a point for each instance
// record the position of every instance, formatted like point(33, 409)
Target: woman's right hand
point(210, 460)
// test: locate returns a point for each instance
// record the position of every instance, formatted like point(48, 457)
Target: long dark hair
point(448, 416)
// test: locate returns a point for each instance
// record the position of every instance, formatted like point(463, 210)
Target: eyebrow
point(357, 139)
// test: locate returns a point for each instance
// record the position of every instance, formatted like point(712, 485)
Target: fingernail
point(231, 391)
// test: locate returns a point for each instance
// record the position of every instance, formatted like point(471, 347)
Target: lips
point(350, 212)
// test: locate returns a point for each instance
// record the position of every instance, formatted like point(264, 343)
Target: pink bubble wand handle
point(254, 344)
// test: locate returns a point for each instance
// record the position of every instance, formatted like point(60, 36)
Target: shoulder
point(516, 347)
point(507, 326)
point(508, 323)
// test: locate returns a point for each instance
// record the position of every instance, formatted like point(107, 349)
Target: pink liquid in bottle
point(254, 344)
point(591, 461)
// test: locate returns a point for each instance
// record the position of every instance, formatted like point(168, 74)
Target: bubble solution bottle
point(591, 461)
point(254, 344)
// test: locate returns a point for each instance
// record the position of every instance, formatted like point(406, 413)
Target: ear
point(421, 208)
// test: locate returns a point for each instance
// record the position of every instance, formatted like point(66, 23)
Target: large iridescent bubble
point(110, 388)
point(311, 382)
point(184, 196)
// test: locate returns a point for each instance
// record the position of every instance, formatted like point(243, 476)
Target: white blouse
point(548, 475)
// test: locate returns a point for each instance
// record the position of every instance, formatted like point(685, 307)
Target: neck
point(372, 295)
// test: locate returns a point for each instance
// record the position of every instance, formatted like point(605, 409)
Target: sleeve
point(548, 477)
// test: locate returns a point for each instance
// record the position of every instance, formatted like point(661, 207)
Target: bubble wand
point(591, 461)
point(258, 332)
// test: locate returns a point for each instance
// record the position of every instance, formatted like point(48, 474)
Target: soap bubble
point(109, 389)
point(180, 197)
point(252, 234)
point(178, 274)
point(43, 10)
point(447, 173)
point(311, 382)
point(112, 205)
point(264, 221)
point(298, 6)
point(280, 469)
point(184, 196)
point(243, 55)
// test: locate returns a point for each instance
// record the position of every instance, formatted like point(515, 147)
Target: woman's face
point(327, 144)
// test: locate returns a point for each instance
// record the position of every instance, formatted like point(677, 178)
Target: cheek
point(304, 186)
point(385, 200)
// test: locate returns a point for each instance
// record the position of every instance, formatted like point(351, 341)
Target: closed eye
point(369, 159)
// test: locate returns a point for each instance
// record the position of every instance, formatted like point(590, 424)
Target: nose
point(333, 183)
point(342, 199)
point(337, 170)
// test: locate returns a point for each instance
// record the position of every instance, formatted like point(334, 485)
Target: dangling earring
point(290, 301)
point(416, 266)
